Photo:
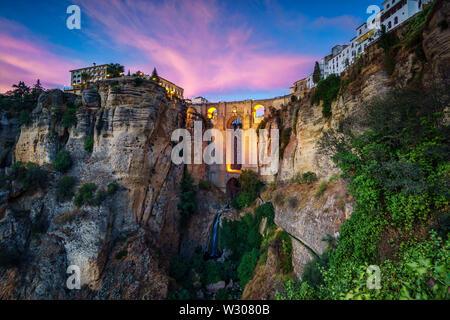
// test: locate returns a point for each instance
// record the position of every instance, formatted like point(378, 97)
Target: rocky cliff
point(129, 236)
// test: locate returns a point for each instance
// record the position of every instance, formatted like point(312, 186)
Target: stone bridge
point(233, 115)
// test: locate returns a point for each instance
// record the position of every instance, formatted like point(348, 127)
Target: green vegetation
point(89, 144)
point(317, 74)
point(64, 188)
point(63, 161)
point(20, 101)
point(70, 115)
point(247, 265)
point(112, 187)
point(305, 178)
point(286, 251)
point(327, 91)
point(187, 204)
point(294, 98)
point(398, 173)
point(115, 70)
point(31, 176)
point(205, 185)
point(85, 195)
point(250, 188)
point(322, 187)
point(196, 273)
point(414, 30)
point(387, 42)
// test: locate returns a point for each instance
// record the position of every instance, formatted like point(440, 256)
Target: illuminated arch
point(212, 113)
point(258, 113)
point(234, 122)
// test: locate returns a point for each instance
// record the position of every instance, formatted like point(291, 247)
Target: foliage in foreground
point(398, 172)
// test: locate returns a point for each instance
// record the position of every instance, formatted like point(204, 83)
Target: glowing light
point(229, 170)
point(258, 111)
point(212, 113)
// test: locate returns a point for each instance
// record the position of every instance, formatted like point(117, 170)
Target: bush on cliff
point(63, 161)
point(187, 203)
point(85, 195)
point(247, 265)
point(89, 144)
point(64, 188)
point(327, 91)
point(31, 176)
point(397, 172)
point(250, 188)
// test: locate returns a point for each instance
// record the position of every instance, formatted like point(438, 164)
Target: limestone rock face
point(312, 218)
point(91, 98)
point(119, 241)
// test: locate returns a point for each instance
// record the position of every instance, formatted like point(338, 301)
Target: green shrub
point(247, 265)
point(70, 118)
point(63, 161)
point(322, 187)
point(327, 91)
point(286, 250)
point(223, 295)
point(294, 98)
point(187, 203)
point(64, 188)
point(31, 176)
point(296, 119)
point(205, 185)
point(312, 273)
point(100, 196)
point(250, 188)
point(85, 195)
point(113, 187)
point(89, 143)
point(305, 178)
point(266, 210)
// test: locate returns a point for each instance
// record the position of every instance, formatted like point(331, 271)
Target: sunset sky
point(222, 50)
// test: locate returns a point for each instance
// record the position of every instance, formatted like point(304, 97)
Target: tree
point(21, 90)
point(155, 76)
point(317, 75)
point(37, 90)
point(115, 70)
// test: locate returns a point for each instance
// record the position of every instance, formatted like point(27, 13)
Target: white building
point(199, 100)
point(393, 14)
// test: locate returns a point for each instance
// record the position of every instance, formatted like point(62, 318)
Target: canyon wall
point(121, 246)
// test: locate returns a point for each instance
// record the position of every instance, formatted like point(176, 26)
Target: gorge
point(88, 180)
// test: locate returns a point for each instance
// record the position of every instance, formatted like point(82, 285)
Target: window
point(388, 6)
point(389, 25)
point(395, 20)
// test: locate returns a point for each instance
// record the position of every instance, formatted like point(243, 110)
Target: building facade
point(95, 73)
point(393, 14)
point(199, 100)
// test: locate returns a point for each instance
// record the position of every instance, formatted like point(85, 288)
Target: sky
point(224, 50)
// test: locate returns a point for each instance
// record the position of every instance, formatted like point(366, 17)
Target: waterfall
point(214, 237)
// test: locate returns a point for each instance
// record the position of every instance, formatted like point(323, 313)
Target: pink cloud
point(26, 59)
point(195, 44)
point(344, 22)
